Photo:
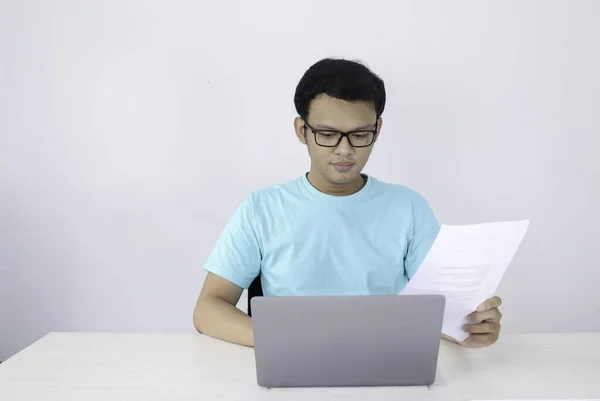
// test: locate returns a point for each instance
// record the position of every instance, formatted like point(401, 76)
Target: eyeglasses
point(332, 138)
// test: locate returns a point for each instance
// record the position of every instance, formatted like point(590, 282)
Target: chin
point(341, 178)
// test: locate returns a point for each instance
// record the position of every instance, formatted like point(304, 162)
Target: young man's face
point(342, 164)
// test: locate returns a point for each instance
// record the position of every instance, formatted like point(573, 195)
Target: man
point(333, 231)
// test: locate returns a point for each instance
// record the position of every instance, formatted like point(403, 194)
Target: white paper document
point(466, 264)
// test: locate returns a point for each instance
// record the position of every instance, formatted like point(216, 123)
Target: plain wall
point(130, 131)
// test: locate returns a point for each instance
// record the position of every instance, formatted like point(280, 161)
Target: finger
point(485, 339)
point(451, 339)
point(470, 343)
point(492, 315)
point(482, 328)
point(493, 302)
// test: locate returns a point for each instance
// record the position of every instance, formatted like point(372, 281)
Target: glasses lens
point(363, 138)
point(325, 138)
point(332, 138)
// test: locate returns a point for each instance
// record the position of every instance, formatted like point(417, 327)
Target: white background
point(130, 130)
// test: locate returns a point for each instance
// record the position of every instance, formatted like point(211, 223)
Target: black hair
point(341, 79)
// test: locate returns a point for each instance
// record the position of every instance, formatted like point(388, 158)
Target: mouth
point(343, 166)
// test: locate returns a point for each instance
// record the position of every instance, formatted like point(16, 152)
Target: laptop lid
point(347, 340)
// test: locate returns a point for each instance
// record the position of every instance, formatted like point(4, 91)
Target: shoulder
point(414, 206)
point(400, 193)
point(274, 196)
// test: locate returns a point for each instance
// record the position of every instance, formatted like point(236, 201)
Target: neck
point(330, 188)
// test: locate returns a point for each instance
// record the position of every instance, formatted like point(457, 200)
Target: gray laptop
point(347, 341)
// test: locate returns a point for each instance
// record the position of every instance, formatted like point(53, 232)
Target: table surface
point(90, 366)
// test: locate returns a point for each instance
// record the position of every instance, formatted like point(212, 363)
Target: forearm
point(217, 318)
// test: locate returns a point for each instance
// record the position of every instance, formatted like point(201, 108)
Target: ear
point(300, 130)
point(379, 125)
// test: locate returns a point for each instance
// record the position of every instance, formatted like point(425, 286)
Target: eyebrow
point(328, 128)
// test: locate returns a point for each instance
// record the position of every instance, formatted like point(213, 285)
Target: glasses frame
point(342, 135)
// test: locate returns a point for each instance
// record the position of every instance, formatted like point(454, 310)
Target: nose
point(344, 148)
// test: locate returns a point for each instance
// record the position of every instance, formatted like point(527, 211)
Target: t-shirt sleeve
point(425, 229)
point(237, 256)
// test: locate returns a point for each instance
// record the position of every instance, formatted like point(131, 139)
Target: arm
point(485, 322)
point(216, 314)
point(232, 265)
point(425, 229)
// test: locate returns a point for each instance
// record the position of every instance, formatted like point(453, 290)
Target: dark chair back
point(255, 290)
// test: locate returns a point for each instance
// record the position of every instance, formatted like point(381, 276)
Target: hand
point(484, 324)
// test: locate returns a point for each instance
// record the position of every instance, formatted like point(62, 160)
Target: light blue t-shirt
point(305, 242)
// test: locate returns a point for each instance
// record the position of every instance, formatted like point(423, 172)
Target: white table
point(90, 367)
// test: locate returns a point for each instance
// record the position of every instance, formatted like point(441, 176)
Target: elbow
point(199, 318)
